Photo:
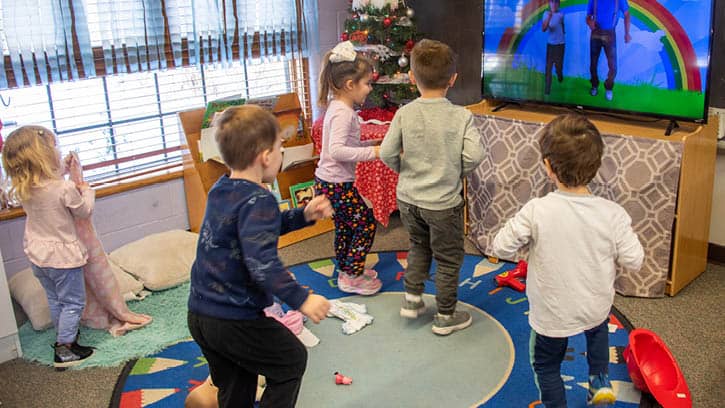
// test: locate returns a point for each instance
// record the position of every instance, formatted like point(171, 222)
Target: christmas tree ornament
point(383, 32)
point(378, 4)
point(344, 36)
point(359, 37)
point(409, 12)
point(405, 22)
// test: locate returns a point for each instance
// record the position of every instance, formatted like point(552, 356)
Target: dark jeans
point(554, 57)
point(606, 39)
point(547, 354)
point(434, 235)
point(238, 350)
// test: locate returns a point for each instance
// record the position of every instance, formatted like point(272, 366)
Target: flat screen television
point(649, 57)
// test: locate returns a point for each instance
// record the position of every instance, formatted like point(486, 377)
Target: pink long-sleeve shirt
point(341, 145)
point(50, 235)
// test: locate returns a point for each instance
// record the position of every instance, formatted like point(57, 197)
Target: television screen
point(637, 56)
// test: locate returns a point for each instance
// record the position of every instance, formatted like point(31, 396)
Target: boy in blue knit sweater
point(237, 270)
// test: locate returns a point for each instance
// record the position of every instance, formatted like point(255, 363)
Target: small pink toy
point(341, 379)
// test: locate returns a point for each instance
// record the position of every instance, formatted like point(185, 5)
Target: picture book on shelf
point(213, 107)
point(302, 193)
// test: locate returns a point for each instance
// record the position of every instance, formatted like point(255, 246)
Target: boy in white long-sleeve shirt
point(575, 241)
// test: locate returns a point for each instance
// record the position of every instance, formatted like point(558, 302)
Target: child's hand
point(315, 307)
point(67, 161)
point(319, 207)
point(377, 151)
point(83, 186)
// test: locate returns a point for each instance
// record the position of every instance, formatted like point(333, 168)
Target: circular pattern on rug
point(400, 362)
point(394, 358)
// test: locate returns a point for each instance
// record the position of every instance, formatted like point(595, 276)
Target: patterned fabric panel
point(640, 174)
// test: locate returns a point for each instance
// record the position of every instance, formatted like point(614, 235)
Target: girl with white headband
point(345, 82)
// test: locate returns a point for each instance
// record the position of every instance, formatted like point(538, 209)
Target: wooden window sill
point(110, 188)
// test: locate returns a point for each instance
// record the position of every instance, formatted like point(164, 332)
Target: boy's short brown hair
point(243, 132)
point(574, 148)
point(433, 64)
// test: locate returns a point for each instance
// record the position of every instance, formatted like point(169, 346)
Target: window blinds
point(150, 64)
point(125, 124)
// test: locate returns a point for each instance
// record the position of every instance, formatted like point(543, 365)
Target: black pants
point(547, 353)
point(434, 235)
point(554, 57)
point(606, 39)
point(238, 350)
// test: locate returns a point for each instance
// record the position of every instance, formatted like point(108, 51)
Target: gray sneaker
point(446, 324)
point(411, 310)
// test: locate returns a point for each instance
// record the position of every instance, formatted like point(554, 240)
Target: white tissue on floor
point(354, 315)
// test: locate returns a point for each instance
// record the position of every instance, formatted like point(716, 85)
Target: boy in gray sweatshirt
point(432, 144)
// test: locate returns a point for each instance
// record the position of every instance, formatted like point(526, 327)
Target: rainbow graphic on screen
point(661, 70)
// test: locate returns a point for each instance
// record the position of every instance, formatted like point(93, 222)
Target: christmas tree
point(385, 32)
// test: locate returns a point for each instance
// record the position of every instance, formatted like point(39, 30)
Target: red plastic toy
point(512, 278)
point(653, 369)
point(341, 379)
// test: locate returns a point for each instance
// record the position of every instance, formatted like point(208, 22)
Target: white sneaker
point(609, 95)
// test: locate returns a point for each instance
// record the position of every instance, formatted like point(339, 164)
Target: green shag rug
point(168, 308)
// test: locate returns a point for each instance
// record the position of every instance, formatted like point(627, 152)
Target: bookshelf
point(200, 176)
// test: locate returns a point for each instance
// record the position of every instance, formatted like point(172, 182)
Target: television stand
point(505, 104)
point(671, 126)
point(664, 182)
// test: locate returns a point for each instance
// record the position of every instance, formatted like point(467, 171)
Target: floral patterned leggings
point(354, 225)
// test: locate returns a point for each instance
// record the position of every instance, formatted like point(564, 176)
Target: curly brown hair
point(574, 148)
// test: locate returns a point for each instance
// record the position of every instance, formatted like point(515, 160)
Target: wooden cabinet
point(200, 176)
point(688, 253)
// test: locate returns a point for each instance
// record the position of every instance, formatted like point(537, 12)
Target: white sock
point(412, 298)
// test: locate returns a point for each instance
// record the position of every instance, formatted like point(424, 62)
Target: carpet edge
point(120, 383)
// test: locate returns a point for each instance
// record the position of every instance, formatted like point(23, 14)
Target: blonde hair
point(334, 75)
point(30, 157)
point(243, 132)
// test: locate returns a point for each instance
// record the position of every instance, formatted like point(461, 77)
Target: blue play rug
point(396, 362)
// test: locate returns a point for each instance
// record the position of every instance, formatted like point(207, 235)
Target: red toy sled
point(653, 369)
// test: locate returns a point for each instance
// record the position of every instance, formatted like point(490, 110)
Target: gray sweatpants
point(434, 235)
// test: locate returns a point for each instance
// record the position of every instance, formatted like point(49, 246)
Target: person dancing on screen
point(554, 24)
point(602, 19)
